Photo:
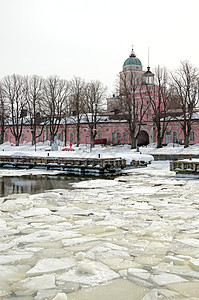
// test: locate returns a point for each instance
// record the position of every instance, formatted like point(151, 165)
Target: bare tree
point(159, 95)
point(34, 86)
point(77, 89)
point(3, 115)
point(95, 94)
point(185, 85)
point(133, 106)
point(54, 104)
point(16, 96)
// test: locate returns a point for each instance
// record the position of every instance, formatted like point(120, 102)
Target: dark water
point(33, 184)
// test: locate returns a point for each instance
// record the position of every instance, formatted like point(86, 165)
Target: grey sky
point(92, 38)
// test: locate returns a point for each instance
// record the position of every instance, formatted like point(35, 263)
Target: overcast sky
point(92, 38)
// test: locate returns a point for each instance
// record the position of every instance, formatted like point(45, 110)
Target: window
point(147, 116)
point(22, 137)
point(174, 137)
point(71, 137)
point(59, 136)
point(192, 136)
point(124, 136)
point(168, 137)
point(99, 134)
point(113, 136)
point(6, 136)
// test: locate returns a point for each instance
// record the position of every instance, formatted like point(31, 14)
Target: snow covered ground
point(82, 151)
point(144, 153)
point(135, 236)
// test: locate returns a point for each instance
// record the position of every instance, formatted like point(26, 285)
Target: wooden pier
point(185, 167)
point(159, 157)
point(81, 166)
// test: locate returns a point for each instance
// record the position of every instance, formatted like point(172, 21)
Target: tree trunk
point(159, 141)
point(78, 135)
point(65, 134)
point(16, 141)
point(186, 140)
point(2, 136)
point(133, 141)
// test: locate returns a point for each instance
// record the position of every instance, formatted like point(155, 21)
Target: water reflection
point(33, 184)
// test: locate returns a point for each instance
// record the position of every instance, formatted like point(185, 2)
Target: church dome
point(132, 60)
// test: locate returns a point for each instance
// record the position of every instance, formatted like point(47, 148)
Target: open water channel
point(134, 236)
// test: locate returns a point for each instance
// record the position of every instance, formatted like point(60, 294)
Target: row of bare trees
point(172, 97)
point(33, 101)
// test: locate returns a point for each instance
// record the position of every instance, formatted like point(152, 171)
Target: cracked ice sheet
point(92, 184)
point(107, 250)
point(100, 273)
point(30, 285)
point(12, 258)
point(45, 236)
point(47, 265)
point(117, 289)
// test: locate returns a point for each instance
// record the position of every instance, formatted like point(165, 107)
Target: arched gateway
point(142, 138)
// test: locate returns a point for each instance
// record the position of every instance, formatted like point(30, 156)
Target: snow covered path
point(132, 237)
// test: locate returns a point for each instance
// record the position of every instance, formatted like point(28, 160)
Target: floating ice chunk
point(102, 273)
point(61, 296)
point(190, 241)
point(9, 259)
point(166, 278)
point(75, 241)
point(70, 211)
point(92, 184)
point(115, 290)
point(80, 256)
point(30, 285)
point(110, 228)
point(51, 265)
point(175, 260)
point(3, 224)
point(46, 294)
point(152, 295)
point(142, 205)
point(48, 195)
point(167, 293)
point(177, 212)
point(46, 236)
point(148, 260)
point(194, 263)
point(6, 246)
point(140, 273)
point(86, 268)
point(106, 250)
point(186, 289)
point(34, 212)
point(12, 273)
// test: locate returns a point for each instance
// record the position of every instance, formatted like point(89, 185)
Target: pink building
point(111, 126)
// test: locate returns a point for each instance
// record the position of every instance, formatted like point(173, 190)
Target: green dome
point(132, 60)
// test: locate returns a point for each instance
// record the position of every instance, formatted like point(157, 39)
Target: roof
point(132, 60)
